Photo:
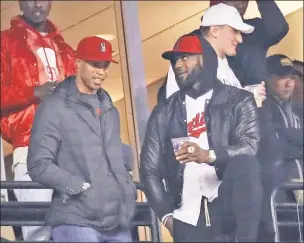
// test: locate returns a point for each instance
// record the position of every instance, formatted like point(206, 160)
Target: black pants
point(235, 213)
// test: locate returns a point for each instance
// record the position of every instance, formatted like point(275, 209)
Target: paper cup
point(253, 89)
point(178, 142)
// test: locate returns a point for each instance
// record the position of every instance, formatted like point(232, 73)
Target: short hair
point(204, 30)
point(298, 68)
point(297, 63)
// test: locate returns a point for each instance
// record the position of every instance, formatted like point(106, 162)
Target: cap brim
point(98, 60)
point(244, 28)
point(282, 71)
point(169, 55)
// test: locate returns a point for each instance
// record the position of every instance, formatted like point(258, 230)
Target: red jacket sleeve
point(14, 94)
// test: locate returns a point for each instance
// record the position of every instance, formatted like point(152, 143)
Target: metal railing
point(33, 213)
point(277, 207)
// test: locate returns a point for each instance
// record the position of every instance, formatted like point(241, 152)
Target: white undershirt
point(199, 179)
point(224, 74)
point(48, 59)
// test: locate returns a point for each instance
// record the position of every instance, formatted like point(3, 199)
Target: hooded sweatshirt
point(28, 59)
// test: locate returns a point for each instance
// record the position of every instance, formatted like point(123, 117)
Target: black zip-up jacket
point(280, 141)
point(231, 120)
point(249, 64)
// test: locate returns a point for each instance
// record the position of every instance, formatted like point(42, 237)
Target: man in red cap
point(214, 167)
point(34, 58)
point(76, 149)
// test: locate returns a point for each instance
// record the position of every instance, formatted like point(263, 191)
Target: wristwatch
point(212, 156)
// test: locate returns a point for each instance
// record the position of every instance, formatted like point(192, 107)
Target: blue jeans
point(73, 233)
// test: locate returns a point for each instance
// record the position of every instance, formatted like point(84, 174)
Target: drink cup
point(178, 142)
point(254, 89)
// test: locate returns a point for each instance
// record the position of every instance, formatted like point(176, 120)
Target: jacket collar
point(19, 22)
point(69, 89)
point(217, 89)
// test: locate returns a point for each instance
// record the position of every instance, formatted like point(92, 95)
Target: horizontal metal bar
point(22, 223)
point(41, 205)
point(18, 241)
point(292, 186)
point(21, 185)
point(34, 185)
point(287, 206)
point(4, 240)
point(42, 223)
point(290, 224)
point(21, 241)
point(14, 204)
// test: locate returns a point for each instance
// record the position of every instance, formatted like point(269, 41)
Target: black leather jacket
point(232, 126)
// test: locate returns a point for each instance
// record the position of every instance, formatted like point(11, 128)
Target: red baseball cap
point(189, 44)
point(94, 48)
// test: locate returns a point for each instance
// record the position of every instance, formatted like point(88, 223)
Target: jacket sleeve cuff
point(220, 163)
point(73, 185)
point(221, 154)
point(164, 210)
point(165, 217)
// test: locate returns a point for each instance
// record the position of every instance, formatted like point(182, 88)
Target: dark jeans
point(236, 211)
point(73, 233)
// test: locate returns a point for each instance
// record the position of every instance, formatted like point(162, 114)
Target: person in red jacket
point(34, 58)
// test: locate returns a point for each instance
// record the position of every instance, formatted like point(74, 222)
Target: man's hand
point(191, 152)
point(258, 91)
point(44, 90)
point(169, 225)
point(85, 186)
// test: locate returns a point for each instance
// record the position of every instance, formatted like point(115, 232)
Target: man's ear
point(214, 31)
point(78, 63)
point(201, 60)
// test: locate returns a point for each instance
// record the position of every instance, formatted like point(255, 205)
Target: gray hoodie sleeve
point(44, 146)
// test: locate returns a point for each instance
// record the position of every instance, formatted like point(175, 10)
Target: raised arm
point(274, 25)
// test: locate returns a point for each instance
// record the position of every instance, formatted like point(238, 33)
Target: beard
point(187, 83)
point(197, 83)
